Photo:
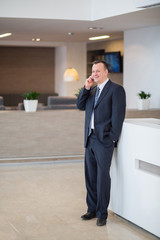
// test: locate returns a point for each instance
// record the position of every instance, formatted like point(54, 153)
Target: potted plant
point(31, 101)
point(144, 100)
point(78, 92)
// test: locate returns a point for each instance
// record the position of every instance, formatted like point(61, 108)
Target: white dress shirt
point(101, 86)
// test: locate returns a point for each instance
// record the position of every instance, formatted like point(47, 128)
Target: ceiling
point(55, 32)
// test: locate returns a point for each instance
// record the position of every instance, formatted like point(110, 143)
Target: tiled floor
point(45, 201)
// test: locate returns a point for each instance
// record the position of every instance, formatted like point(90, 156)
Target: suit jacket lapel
point(93, 95)
point(104, 92)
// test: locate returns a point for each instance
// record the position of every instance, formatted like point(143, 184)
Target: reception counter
point(135, 193)
point(47, 133)
point(41, 135)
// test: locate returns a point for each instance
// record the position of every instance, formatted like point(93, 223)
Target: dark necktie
point(95, 102)
point(96, 96)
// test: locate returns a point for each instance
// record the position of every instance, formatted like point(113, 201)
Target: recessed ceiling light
point(5, 35)
point(70, 33)
point(92, 28)
point(36, 39)
point(99, 37)
point(95, 28)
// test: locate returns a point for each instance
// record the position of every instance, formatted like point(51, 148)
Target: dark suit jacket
point(109, 111)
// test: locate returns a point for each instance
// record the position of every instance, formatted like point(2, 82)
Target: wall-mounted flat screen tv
point(114, 60)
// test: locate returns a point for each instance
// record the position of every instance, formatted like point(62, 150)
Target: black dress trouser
point(98, 158)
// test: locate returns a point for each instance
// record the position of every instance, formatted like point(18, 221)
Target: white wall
point(48, 9)
point(60, 66)
point(103, 8)
point(76, 58)
point(71, 55)
point(142, 64)
point(62, 9)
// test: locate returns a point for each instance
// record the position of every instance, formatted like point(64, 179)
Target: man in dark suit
point(105, 106)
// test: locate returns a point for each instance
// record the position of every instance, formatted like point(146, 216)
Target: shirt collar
point(101, 86)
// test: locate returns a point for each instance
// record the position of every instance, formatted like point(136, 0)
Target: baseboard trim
point(30, 159)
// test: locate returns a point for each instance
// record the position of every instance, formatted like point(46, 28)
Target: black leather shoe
point(101, 222)
point(88, 216)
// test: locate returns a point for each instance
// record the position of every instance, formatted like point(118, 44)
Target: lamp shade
point(70, 75)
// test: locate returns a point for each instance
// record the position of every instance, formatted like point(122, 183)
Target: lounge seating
point(14, 99)
point(56, 102)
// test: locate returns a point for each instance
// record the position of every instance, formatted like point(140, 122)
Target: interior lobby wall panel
point(141, 64)
point(26, 68)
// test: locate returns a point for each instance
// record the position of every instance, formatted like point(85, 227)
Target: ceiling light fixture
point(5, 35)
point(99, 37)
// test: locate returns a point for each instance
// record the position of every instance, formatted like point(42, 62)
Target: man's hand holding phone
point(89, 82)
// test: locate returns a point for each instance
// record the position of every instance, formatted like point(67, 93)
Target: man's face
point(99, 74)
